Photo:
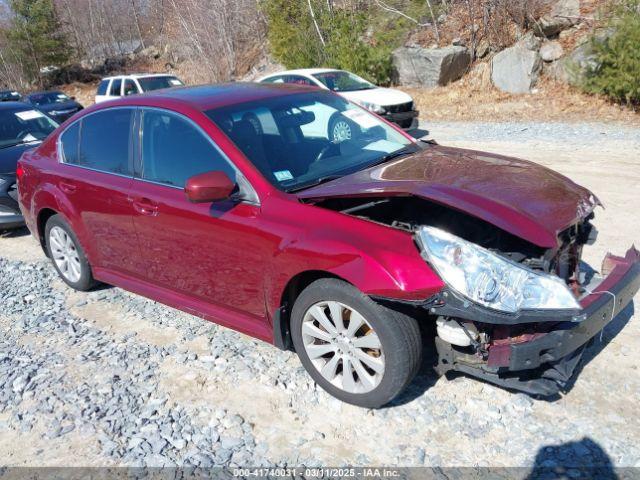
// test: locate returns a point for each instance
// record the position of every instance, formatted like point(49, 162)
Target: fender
point(399, 272)
point(48, 196)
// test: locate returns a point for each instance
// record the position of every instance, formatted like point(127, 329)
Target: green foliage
point(616, 72)
point(35, 36)
point(358, 40)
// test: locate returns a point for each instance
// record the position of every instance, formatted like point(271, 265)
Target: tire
point(398, 336)
point(57, 232)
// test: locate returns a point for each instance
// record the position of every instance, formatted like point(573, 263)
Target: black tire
point(86, 281)
point(399, 335)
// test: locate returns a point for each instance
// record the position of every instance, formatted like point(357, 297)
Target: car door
point(96, 175)
point(213, 252)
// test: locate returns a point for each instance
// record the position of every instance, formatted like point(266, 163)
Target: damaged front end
point(534, 351)
point(513, 313)
point(525, 324)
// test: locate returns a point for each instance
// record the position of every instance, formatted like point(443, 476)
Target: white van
point(123, 85)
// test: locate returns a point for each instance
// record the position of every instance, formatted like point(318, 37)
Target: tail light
point(19, 172)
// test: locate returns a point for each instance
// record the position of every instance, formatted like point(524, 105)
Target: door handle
point(144, 206)
point(67, 187)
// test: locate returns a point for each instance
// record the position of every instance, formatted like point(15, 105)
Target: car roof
point(206, 97)
point(303, 71)
point(12, 105)
point(139, 75)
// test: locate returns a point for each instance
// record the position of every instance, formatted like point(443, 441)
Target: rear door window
point(102, 88)
point(69, 141)
point(105, 141)
point(115, 87)
point(173, 149)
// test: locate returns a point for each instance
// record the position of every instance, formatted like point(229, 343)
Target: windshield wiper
point(390, 156)
point(315, 183)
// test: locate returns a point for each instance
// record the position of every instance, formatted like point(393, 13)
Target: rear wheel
point(67, 255)
point(355, 349)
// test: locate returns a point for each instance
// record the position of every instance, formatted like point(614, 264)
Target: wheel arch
point(293, 288)
point(41, 221)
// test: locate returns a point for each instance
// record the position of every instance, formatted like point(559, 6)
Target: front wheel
point(355, 349)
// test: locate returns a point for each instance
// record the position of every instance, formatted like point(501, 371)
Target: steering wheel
point(326, 149)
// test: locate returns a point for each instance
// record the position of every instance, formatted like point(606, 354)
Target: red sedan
point(296, 217)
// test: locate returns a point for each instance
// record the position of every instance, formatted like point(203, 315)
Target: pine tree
point(36, 36)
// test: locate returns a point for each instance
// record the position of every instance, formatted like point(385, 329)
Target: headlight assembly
point(489, 279)
point(373, 107)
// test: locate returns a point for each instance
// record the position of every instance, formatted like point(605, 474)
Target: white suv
point(123, 85)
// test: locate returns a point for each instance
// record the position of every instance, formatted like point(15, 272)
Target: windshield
point(341, 81)
point(23, 126)
point(300, 140)
point(47, 98)
point(156, 83)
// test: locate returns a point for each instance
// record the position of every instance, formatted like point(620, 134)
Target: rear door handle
point(144, 206)
point(67, 187)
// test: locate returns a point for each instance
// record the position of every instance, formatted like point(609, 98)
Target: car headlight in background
point(489, 279)
point(373, 107)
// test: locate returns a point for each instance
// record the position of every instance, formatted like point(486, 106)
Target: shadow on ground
point(15, 233)
point(580, 459)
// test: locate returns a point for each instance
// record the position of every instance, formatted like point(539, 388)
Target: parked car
point(21, 128)
point(10, 96)
point(125, 85)
point(391, 104)
point(224, 202)
point(56, 104)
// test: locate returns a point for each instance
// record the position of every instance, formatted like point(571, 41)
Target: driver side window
point(174, 149)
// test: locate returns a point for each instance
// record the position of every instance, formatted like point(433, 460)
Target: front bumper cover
point(403, 119)
point(544, 363)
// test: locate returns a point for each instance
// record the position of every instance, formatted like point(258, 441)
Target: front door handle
point(67, 187)
point(144, 206)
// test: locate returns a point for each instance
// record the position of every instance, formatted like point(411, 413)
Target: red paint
point(521, 197)
point(208, 187)
point(225, 261)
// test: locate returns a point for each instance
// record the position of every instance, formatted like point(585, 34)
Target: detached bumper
point(543, 363)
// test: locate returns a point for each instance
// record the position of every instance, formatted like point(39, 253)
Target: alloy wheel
point(343, 347)
point(341, 131)
point(65, 254)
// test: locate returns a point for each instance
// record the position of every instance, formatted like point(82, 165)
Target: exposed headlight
point(373, 107)
point(489, 279)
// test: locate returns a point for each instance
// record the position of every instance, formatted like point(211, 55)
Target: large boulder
point(516, 69)
point(573, 67)
point(564, 14)
point(430, 67)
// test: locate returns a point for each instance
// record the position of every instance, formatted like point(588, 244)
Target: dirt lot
point(111, 378)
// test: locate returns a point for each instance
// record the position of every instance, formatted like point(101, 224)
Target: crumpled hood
point(520, 197)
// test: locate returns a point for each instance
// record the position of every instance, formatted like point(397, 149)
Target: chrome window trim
point(60, 150)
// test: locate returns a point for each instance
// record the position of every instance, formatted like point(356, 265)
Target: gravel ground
point(110, 378)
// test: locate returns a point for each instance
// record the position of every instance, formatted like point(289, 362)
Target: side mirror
point(209, 187)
